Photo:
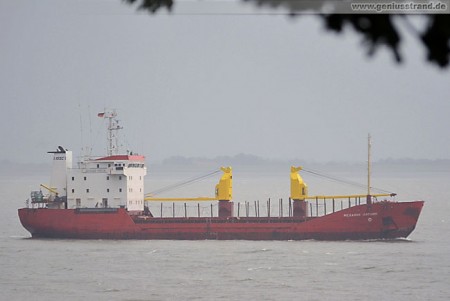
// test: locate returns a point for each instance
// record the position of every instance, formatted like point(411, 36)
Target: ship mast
point(369, 145)
point(113, 128)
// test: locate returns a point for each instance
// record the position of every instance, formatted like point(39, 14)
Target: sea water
point(417, 268)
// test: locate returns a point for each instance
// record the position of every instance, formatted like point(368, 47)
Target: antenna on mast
point(86, 144)
point(369, 146)
point(113, 128)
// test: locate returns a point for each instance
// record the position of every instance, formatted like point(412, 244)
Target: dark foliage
point(436, 39)
point(152, 5)
point(376, 29)
point(380, 29)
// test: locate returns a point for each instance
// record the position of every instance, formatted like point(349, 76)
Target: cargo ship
point(104, 198)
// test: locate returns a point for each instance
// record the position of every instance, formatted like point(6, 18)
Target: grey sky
point(210, 85)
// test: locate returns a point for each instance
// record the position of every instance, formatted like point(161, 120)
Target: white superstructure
point(108, 182)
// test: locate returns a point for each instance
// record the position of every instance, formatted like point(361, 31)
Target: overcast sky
point(210, 85)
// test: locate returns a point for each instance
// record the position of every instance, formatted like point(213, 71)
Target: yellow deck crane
point(52, 190)
point(299, 194)
point(37, 197)
point(224, 190)
point(223, 194)
point(299, 190)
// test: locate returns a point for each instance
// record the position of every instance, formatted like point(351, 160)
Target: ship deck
point(187, 220)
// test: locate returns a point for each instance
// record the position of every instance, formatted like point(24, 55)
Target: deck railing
point(267, 208)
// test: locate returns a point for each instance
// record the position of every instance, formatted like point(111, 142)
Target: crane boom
point(52, 190)
point(224, 190)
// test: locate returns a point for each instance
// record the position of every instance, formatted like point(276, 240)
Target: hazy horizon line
point(254, 161)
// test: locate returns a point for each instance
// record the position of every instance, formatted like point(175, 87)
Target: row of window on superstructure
point(107, 190)
point(136, 202)
point(117, 165)
point(107, 178)
point(136, 165)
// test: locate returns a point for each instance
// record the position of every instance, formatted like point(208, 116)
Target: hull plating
point(384, 220)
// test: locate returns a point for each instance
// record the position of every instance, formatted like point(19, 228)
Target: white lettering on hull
point(360, 214)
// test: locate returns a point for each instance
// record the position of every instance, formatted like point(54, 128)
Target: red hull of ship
point(384, 220)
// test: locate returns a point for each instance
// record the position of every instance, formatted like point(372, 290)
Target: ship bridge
point(111, 181)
